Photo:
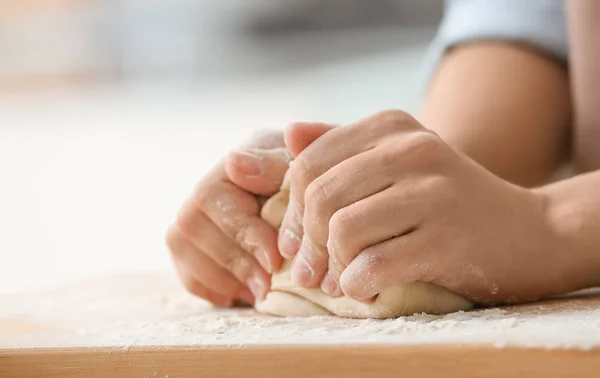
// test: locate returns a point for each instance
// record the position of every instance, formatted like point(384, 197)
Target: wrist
point(577, 258)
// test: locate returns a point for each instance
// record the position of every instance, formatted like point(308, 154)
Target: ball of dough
point(288, 299)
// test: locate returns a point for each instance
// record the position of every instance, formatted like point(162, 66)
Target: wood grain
point(301, 361)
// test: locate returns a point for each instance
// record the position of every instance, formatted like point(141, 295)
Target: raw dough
point(288, 299)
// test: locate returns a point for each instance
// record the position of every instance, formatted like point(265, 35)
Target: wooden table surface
point(145, 325)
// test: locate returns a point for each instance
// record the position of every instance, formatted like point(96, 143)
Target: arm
point(584, 32)
point(521, 133)
point(388, 203)
point(574, 213)
point(504, 105)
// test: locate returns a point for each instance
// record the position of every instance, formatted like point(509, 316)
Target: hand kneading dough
point(288, 299)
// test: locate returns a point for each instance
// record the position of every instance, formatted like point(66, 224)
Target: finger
point(382, 216)
point(350, 181)
point(327, 151)
point(236, 213)
point(373, 220)
point(199, 228)
point(196, 288)
point(340, 144)
point(314, 141)
point(358, 177)
point(299, 135)
point(258, 171)
point(396, 261)
point(207, 237)
point(309, 267)
point(291, 229)
point(302, 271)
point(388, 214)
point(196, 265)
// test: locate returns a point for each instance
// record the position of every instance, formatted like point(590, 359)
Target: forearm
point(574, 214)
point(584, 38)
point(505, 106)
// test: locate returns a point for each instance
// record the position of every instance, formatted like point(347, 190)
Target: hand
point(386, 202)
point(221, 247)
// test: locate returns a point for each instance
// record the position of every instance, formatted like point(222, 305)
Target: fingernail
point(289, 243)
point(330, 285)
point(248, 163)
point(263, 259)
point(302, 273)
point(257, 287)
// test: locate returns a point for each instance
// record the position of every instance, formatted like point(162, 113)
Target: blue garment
point(539, 23)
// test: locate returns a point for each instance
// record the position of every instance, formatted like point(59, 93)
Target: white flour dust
point(147, 311)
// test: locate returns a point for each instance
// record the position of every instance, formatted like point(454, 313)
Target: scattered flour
point(148, 311)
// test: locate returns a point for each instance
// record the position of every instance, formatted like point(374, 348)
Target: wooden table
point(145, 326)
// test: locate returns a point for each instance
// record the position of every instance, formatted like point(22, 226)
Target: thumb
point(300, 135)
point(258, 171)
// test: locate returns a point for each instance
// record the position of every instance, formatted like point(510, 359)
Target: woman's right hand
point(223, 251)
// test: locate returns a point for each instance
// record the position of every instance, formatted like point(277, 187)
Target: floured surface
point(153, 310)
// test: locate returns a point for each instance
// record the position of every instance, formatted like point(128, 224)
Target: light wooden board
point(63, 333)
point(301, 361)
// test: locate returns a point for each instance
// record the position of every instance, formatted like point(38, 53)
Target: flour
point(155, 311)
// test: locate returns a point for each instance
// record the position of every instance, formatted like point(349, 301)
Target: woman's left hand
point(385, 201)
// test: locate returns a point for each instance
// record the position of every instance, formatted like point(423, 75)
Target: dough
point(288, 299)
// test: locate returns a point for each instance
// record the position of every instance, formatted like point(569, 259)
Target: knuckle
point(234, 220)
point(319, 208)
point(241, 234)
point(317, 194)
point(342, 227)
point(388, 121)
point(250, 239)
point(231, 262)
point(237, 264)
point(302, 172)
point(315, 254)
point(342, 224)
point(336, 267)
point(435, 183)
point(231, 229)
point(395, 117)
point(293, 217)
point(389, 157)
point(201, 198)
point(426, 140)
point(188, 221)
point(422, 143)
point(376, 257)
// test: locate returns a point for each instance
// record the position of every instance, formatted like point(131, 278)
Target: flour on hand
point(288, 299)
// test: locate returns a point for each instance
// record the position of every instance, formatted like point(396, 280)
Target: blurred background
point(111, 110)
